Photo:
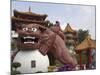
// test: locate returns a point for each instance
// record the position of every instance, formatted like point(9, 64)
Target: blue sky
point(79, 16)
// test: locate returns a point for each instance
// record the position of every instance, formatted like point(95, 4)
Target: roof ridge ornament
point(29, 9)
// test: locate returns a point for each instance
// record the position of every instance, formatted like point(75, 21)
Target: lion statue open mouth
point(35, 36)
point(29, 37)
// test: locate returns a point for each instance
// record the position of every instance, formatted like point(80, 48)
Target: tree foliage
point(48, 23)
point(82, 34)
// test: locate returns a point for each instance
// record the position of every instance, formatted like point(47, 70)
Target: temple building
point(27, 17)
point(71, 38)
point(88, 48)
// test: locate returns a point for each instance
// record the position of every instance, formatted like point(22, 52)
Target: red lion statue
point(35, 36)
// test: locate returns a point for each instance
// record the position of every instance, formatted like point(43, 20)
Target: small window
point(33, 63)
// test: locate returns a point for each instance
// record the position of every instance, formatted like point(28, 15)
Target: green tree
point(48, 23)
point(82, 34)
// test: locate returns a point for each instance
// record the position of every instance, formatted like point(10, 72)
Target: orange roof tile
point(86, 44)
point(69, 29)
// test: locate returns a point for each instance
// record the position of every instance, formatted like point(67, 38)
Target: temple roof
point(19, 20)
point(29, 13)
point(88, 43)
point(69, 29)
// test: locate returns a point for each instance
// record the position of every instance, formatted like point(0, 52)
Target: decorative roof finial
point(67, 23)
point(29, 9)
point(89, 36)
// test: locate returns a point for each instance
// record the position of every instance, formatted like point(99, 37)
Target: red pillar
point(90, 57)
point(80, 55)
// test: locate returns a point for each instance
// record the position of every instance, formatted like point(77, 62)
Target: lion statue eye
point(25, 29)
point(34, 29)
